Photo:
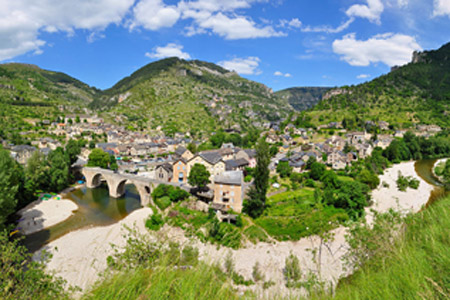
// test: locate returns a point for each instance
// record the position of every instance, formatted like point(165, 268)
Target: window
point(178, 168)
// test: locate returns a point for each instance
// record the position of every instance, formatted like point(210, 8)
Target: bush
point(155, 222)
point(403, 182)
point(178, 194)
point(248, 178)
point(163, 202)
point(291, 271)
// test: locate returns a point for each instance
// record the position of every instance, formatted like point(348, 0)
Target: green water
point(95, 208)
point(424, 168)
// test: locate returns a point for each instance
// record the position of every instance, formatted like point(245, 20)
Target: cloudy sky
point(281, 43)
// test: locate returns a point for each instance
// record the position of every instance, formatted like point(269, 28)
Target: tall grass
point(165, 282)
point(417, 268)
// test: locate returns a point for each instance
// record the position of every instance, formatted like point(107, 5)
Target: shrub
point(163, 202)
point(256, 273)
point(155, 222)
point(178, 194)
point(248, 178)
point(291, 271)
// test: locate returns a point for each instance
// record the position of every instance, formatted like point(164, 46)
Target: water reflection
point(95, 208)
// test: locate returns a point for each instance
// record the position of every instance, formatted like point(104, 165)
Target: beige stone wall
point(229, 195)
point(180, 167)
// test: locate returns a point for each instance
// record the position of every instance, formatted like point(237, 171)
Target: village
point(167, 159)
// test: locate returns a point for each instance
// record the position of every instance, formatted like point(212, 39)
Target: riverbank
point(42, 214)
point(438, 162)
point(80, 256)
point(387, 195)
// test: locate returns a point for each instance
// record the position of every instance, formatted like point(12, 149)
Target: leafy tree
point(22, 278)
point(273, 150)
point(284, 169)
point(9, 186)
point(310, 161)
point(36, 174)
point(59, 170)
point(254, 205)
point(77, 119)
point(98, 158)
point(317, 170)
point(446, 175)
point(73, 150)
point(91, 144)
point(192, 147)
point(218, 139)
point(199, 176)
point(369, 178)
point(113, 163)
point(351, 196)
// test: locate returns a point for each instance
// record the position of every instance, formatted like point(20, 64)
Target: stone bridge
point(116, 183)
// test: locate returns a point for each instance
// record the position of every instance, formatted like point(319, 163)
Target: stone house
point(249, 155)
point(164, 172)
point(184, 153)
point(211, 160)
point(229, 190)
point(22, 153)
point(180, 171)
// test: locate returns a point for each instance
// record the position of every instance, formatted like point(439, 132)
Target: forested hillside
point(418, 92)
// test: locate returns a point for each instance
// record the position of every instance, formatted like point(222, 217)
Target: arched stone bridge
point(116, 183)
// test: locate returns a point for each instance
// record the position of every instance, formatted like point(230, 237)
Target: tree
point(192, 147)
point(9, 186)
point(199, 176)
point(77, 119)
point(91, 144)
point(217, 139)
point(36, 174)
point(113, 163)
point(59, 170)
point(273, 150)
point(369, 178)
point(310, 161)
point(317, 170)
point(284, 169)
point(446, 175)
point(254, 206)
point(98, 158)
point(73, 150)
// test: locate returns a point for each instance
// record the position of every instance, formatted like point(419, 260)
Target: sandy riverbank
point(80, 256)
point(42, 214)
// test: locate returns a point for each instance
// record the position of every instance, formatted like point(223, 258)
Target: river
point(424, 169)
point(95, 208)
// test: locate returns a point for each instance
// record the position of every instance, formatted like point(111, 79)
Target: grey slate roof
point(180, 150)
point(211, 157)
point(229, 177)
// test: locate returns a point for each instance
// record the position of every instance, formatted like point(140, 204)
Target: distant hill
point(176, 95)
point(418, 92)
point(29, 93)
point(303, 98)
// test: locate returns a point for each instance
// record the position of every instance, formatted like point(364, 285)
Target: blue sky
point(281, 43)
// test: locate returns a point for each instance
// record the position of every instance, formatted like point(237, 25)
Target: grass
point(165, 282)
point(295, 214)
point(417, 268)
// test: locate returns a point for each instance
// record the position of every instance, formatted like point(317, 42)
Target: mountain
point(29, 93)
point(303, 98)
point(176, 95)
point(418, 92)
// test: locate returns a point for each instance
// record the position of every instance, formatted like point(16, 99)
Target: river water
point(424, 169)
point(95, 208)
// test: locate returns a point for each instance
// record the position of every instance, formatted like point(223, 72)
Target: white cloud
point(372, 11)
point(234, 28)
point(293, 23)
point(244, 66)
point(402, 3)
point(154, 14)
point(363, 76)
point(220, 18)
point(390, 49)
point(329, 29)
point(170, 50)
point(441, 8)
point(281, 74)
point(21, 21)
